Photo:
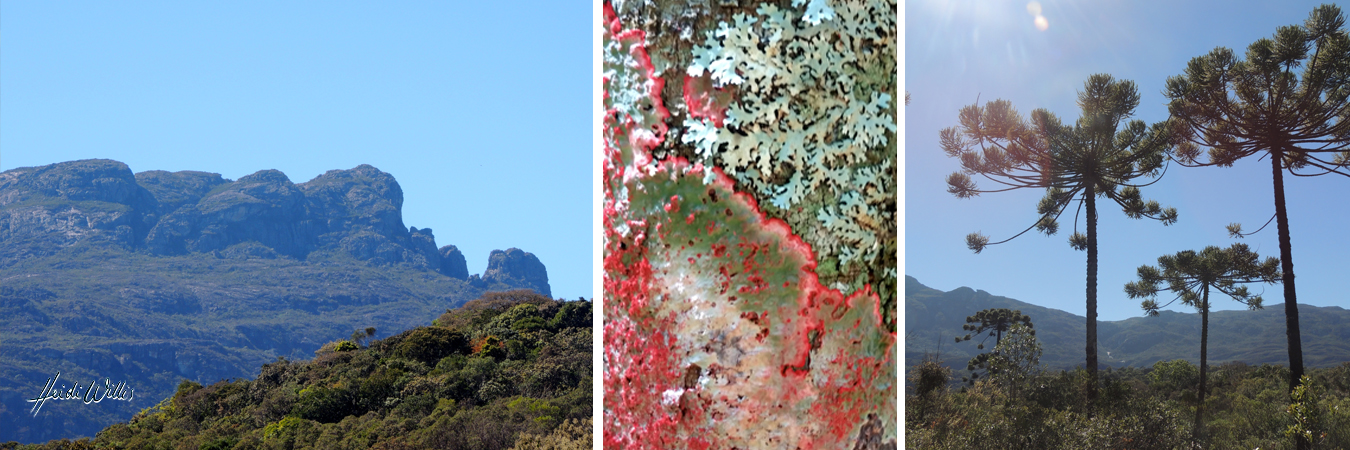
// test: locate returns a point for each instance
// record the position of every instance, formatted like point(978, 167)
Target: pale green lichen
point(814, 107)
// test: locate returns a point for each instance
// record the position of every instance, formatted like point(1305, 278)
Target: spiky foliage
point(1191, 275)
point(1095, 158)
point(1262, 106)
point(994, 320)
point(1238, 108)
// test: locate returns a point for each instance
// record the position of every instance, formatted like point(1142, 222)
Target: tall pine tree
point(1096, 158)
point(1265, 106)
point(1191, 276)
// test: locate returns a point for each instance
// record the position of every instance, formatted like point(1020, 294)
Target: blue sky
point(956, 50)
point(482, 112)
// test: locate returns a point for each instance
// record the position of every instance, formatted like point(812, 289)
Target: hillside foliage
point(507, 370)
point(1138, 408)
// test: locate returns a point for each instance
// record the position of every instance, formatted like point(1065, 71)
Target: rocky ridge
point(357, 212)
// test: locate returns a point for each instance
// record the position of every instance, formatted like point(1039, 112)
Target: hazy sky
point(482, 112)
point(957, 50)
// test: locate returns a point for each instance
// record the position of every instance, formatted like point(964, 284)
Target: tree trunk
point(1204, 359)
point(1287, 266)
point(1091, 199)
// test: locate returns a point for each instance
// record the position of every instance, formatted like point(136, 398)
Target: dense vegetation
point(1148, 400)
point(1139, 408)
point(508, 369)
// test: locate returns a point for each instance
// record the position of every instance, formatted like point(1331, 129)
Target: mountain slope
point(933, 319)
point(153, 277)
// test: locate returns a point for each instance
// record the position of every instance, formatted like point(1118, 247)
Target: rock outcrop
point(173, 190)
point(453, 264)
point(52, 207)
point(517, 267)
point(360, 200)
point(264, 207)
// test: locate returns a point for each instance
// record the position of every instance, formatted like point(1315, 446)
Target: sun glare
point(1034, 8)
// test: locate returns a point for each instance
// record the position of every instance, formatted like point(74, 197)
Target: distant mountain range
point(155, 276)
point(933, 319)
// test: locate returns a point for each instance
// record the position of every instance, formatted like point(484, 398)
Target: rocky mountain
point(157, 276)
point(933, 319)
point(516, 267)
point(357, 211)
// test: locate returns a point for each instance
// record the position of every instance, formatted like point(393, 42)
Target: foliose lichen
point(813, 113)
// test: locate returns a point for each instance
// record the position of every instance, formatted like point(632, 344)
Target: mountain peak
point(516, 266)
point(357, 212)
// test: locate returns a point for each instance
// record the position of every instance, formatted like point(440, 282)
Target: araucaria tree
point(996, 321)
point(1191, 276)
point(1266, 106)
point(1078, 164)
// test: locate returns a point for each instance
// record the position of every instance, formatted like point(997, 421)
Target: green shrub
point(477, 313)
point(430, 344)
point(573, 434)
point(1178, 376)
point(572, 314)
point(225, 443)
point(451, 364)
point(415, 406)
point(323, 404)
point(528, 324)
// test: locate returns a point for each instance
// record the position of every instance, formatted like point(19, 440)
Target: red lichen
point(706, 101)
point(622, 128)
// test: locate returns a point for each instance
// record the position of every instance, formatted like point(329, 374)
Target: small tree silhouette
point(996, 321)
point(362, 337)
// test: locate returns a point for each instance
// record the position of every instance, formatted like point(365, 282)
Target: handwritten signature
point(90, 394)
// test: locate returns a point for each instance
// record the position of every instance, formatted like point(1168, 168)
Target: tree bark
point(1091, 199)
point(1287, 266)
point(1204, 359)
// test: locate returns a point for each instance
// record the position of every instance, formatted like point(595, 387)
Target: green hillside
point(507, 370)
